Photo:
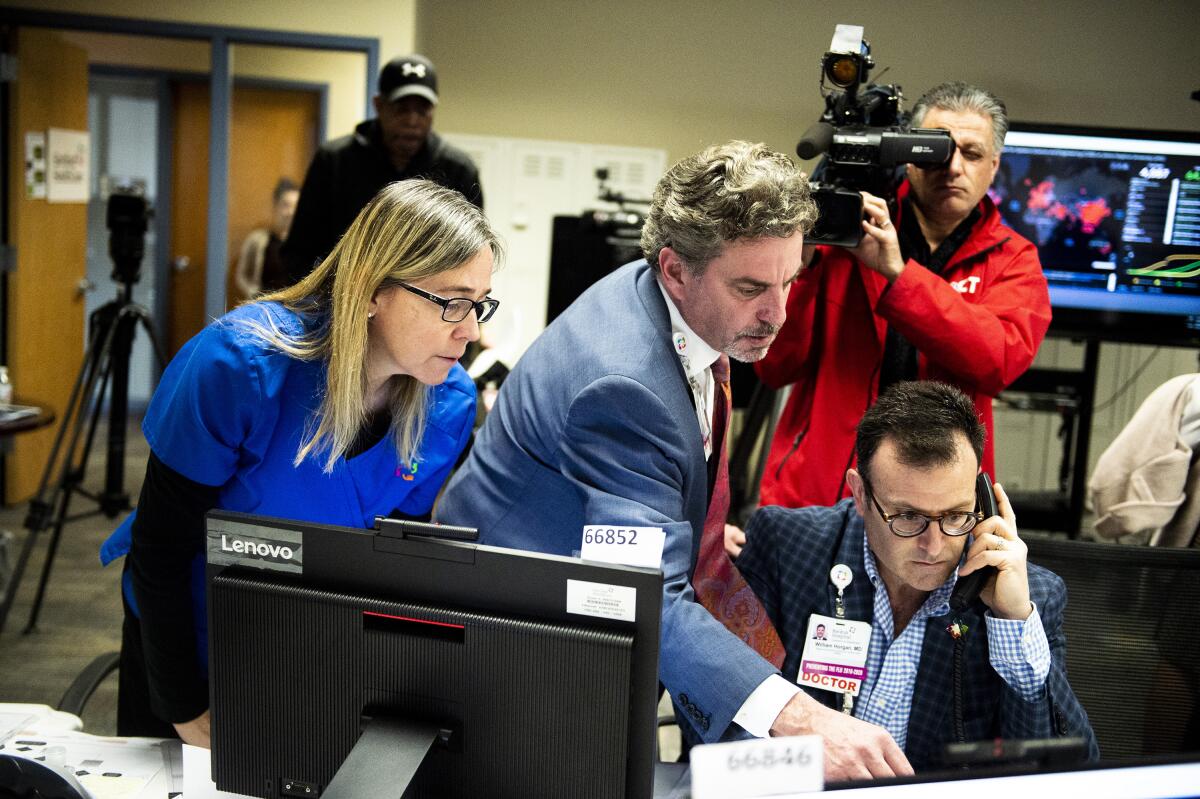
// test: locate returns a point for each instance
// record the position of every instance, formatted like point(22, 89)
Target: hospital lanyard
point(840, 575)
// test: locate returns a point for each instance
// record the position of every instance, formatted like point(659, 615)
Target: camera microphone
point(815, 140)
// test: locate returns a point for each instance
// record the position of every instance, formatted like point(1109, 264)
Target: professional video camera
point(864, 136)
point(128, 217)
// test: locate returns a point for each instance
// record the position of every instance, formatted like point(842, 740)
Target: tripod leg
point(114, 499)
point(73, 473)
point(112, 328)
point(38, 519)
point(80, 392)
point(51, 551)
point(148, 324)
point(72, 477)
point(98, 369)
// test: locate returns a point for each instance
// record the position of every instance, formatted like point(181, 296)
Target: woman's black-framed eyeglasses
point(455, 309)
point(910, 523)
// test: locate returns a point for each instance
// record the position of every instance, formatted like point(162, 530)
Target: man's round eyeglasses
point(455, 309)
point(910, 523)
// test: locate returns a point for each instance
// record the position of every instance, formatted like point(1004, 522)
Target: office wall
point(344, 73)
point(679, 74)
point(390, 21)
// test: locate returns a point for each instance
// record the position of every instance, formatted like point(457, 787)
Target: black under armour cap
point(408, 75)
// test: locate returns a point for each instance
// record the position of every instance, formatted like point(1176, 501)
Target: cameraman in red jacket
point(943, 292)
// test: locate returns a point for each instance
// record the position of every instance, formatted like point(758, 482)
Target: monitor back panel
point(315, 660)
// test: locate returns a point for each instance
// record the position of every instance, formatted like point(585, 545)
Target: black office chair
point(1133, 650)
point(83, 686)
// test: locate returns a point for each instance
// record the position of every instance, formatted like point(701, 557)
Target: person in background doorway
point(260, 266)
point(398, 144)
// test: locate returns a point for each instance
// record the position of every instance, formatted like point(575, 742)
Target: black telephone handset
point(967, 589)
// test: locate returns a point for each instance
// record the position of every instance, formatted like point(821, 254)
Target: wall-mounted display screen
point(1115, 215)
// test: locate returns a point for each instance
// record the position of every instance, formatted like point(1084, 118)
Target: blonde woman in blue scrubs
point(334, 400)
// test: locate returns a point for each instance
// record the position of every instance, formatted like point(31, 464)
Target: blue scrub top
point(230, 411)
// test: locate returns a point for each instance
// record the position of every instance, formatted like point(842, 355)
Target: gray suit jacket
point(596, 425)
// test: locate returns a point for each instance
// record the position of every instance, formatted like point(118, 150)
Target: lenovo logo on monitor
point(236, 544)
point(259, 548)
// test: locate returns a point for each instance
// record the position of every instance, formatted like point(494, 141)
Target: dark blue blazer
point(786, 560)
point(596, 425)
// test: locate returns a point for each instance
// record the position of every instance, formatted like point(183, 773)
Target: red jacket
point(978, 327)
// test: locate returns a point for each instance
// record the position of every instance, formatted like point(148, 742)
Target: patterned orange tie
point(718, 585)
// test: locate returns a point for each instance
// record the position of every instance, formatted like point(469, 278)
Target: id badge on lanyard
point(835, 648)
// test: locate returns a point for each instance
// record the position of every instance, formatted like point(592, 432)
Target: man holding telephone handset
point(884, 572)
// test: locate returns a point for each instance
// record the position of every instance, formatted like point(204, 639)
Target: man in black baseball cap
point(408, 76)
point(399, 143)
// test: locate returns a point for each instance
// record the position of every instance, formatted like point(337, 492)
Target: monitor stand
point(385, 759)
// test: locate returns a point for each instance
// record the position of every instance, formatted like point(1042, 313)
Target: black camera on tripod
point(127, 217)
point(865, 137)
point(104, 375)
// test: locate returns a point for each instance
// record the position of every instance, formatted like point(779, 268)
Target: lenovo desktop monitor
point(489, 672)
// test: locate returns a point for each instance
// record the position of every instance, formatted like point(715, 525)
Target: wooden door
point(273, 134)
point(189, 211)
point(45, 307)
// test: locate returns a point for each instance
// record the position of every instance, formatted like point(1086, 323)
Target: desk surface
point(151, 768)
point(120, 768)
point(1162, 781)
point(42, 418)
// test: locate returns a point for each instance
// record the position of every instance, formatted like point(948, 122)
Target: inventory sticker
point(602, 600)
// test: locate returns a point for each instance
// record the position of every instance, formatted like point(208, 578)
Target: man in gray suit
point(616, 415)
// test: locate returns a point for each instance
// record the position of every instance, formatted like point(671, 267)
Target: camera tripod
point(111, 330)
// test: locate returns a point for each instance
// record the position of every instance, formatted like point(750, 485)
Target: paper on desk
point(109, 768)
point(100, 787)
point(16, 717)
point(197, 776)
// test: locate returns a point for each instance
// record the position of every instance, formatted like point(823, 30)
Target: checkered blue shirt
point(1018, 651)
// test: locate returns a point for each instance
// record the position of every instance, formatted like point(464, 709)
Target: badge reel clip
point(840, 575)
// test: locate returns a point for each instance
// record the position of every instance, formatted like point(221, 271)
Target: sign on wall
point(67, 163)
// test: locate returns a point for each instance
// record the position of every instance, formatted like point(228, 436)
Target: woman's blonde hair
point(411, 230)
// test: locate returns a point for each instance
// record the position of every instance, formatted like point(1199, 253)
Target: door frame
point(220, 38)
point(163, 79)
